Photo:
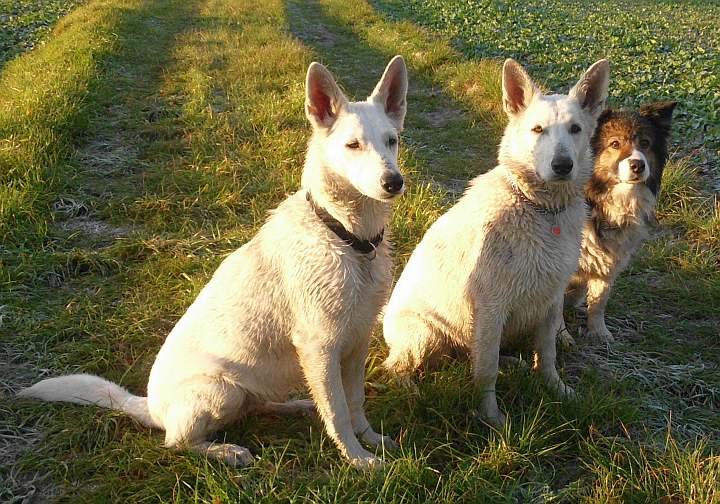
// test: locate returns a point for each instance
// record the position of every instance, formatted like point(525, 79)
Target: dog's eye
point(353, 145)
point(392, 141)
point(537, 129)
point(575, 128)
point(615, 144)
point(644, 144)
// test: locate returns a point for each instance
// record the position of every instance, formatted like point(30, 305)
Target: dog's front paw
point(495, 419)
point(376, 440)
point(566, 339)
point(366, 462)
point(566, 392)
point(601, 334)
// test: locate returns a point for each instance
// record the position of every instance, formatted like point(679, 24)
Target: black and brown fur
point(621, 212)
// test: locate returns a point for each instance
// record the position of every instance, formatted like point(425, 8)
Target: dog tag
point(555, 230)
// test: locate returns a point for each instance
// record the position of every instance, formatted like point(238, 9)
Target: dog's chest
point(618, 227)
point(548, 248)
point(364, 281)
point(540, 254)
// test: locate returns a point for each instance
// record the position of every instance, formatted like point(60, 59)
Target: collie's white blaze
point(626, 174)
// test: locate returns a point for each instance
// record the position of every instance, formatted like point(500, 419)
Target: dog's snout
point(562, 165)
point(637, 166)
point(392, 182)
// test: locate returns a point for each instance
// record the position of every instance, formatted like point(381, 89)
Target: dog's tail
point(90, 389)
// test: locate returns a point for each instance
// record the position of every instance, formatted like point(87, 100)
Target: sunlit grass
point(154, 143)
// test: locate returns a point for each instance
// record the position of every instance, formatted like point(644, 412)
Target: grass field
point(154, 141)
point(24, 22)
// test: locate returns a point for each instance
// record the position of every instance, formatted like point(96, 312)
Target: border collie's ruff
point(496, 264)
point(296, 300)
point(630, 155)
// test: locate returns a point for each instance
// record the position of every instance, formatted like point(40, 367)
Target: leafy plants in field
point(658, 50)
point(24, 22)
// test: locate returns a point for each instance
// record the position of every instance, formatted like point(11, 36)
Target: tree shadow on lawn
point(113, 116)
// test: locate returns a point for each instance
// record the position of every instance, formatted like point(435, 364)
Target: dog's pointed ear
point(391, 91)
point(592, 88)
point(323, 98)
point(518, 88)
point(659, 112)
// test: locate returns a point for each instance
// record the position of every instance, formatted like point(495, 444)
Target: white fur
point(490, 269)
point(293, 304)
point(625, 174)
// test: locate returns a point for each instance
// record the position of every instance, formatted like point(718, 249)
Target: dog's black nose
point(637, 166)
point(562, 165)
point(392, 182)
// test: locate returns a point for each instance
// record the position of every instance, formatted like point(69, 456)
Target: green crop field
point(144, 140)
point(658, 50)
point(24, 22)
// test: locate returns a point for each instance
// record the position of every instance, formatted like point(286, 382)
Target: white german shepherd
point(298, 300)
point(495, 266)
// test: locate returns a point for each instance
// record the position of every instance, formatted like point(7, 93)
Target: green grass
point(657, 50)
point(153, 144)
point(25, 22)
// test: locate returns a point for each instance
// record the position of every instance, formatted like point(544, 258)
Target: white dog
point(495, 266)
point(298, 300)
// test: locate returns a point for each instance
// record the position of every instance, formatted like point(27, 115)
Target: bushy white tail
point(90, 389)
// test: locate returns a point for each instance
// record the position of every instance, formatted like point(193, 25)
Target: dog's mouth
point(634, 180)
point(561, 178)
point(389, 196)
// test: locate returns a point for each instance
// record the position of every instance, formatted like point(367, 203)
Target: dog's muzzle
point(561, 167)
point(392, 183)
point(634, 169)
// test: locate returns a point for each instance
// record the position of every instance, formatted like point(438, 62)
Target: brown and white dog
point(630, 154)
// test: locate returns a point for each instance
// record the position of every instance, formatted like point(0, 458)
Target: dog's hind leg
point(203, 407)
point(411, 342)
point(546, 351)
point(353, 378)
point(294, 407)
point(575, 292)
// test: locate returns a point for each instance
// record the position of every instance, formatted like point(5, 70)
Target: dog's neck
point(551, 196)
point(620, 204)
point(362, 216)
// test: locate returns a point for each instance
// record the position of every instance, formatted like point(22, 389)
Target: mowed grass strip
point(45, 103)
point(205, 100)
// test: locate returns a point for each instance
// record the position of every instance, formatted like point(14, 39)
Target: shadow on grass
point(449, 140)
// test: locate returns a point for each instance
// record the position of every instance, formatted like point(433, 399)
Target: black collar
point(535, 206)
point(362, 246)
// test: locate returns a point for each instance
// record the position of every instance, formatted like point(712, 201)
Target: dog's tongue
point(555, 230)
